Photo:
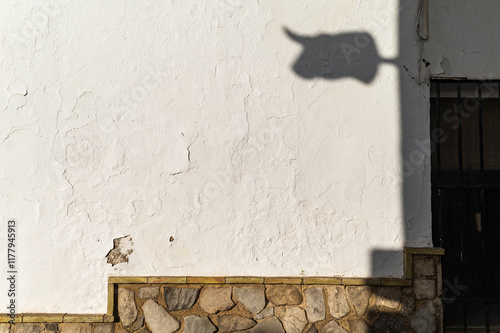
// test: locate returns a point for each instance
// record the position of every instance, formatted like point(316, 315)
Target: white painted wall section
point(185, 120)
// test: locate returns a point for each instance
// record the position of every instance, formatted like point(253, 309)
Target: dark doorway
point(465, 156)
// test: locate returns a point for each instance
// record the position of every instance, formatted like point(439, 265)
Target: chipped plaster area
point(185, 121)
point(122, 249)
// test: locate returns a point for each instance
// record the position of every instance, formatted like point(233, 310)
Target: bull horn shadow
point(350, 54)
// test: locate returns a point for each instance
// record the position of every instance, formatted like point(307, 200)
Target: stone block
point(180, 298)
point(158, 319)
point(148, 292)
point(315, 304)
point(269, 325)
point(29, 328)
point(75, 328)
point(337, 301)
point(333, 327)
point(127, 309)
point(294, 319)
point(231, 323)
point(283, 295)
point(359, 298)
point(214, 299)
point(389, 297)
point(264, 313)
point(196, 324)
point(424, 289)
point(4, 328)
point(251, 297)
point(424, 320)
point(424, 266)
point(104, 328)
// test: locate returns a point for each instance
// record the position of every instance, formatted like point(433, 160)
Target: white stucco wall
point(185, 119)
point(463, 39)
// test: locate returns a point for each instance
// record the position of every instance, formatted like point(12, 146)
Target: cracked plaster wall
point(183, 125)
point(463, 39)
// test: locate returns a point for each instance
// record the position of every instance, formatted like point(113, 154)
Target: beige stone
point(28, 328)
point(126, 307)
point(231, 323)
point(196, 324)
point(50, 328)
point(104, 328)
point(424, 267)
point(158, 319)
point(75, 328)
point(283, 295)
point(424, 289)
point(337, 301)
point(264, 313)
point(389, 297)
point(251, 297)
point(214, 299)
point(148, 292)
point(333, 327)
point(294, 319)
point(424, 320)
point(315, 304)
point(359, 298)
point(4, 328)
point(269, 325)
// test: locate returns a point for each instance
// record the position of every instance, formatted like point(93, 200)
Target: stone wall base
point(268, 305)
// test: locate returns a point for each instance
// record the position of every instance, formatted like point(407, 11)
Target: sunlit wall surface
point(222, 137)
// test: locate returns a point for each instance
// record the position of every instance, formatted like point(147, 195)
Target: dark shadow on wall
point(346, 55)
point(333, 57)
point(355, 55)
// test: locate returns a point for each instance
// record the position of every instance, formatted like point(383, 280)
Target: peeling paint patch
point(122, 249)
point(445, 65)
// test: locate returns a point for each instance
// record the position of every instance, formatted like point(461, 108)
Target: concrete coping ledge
point(435, 251)
point(57, 318)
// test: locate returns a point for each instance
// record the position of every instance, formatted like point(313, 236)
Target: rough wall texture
point(461, 42)
point(184, 126)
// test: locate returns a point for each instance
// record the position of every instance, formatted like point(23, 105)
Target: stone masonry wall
point(271, 308)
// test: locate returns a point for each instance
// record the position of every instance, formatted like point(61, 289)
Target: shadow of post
point(355, 55)
point(337, 56)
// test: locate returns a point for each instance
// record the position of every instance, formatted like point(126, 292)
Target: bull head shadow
point(332, 57)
